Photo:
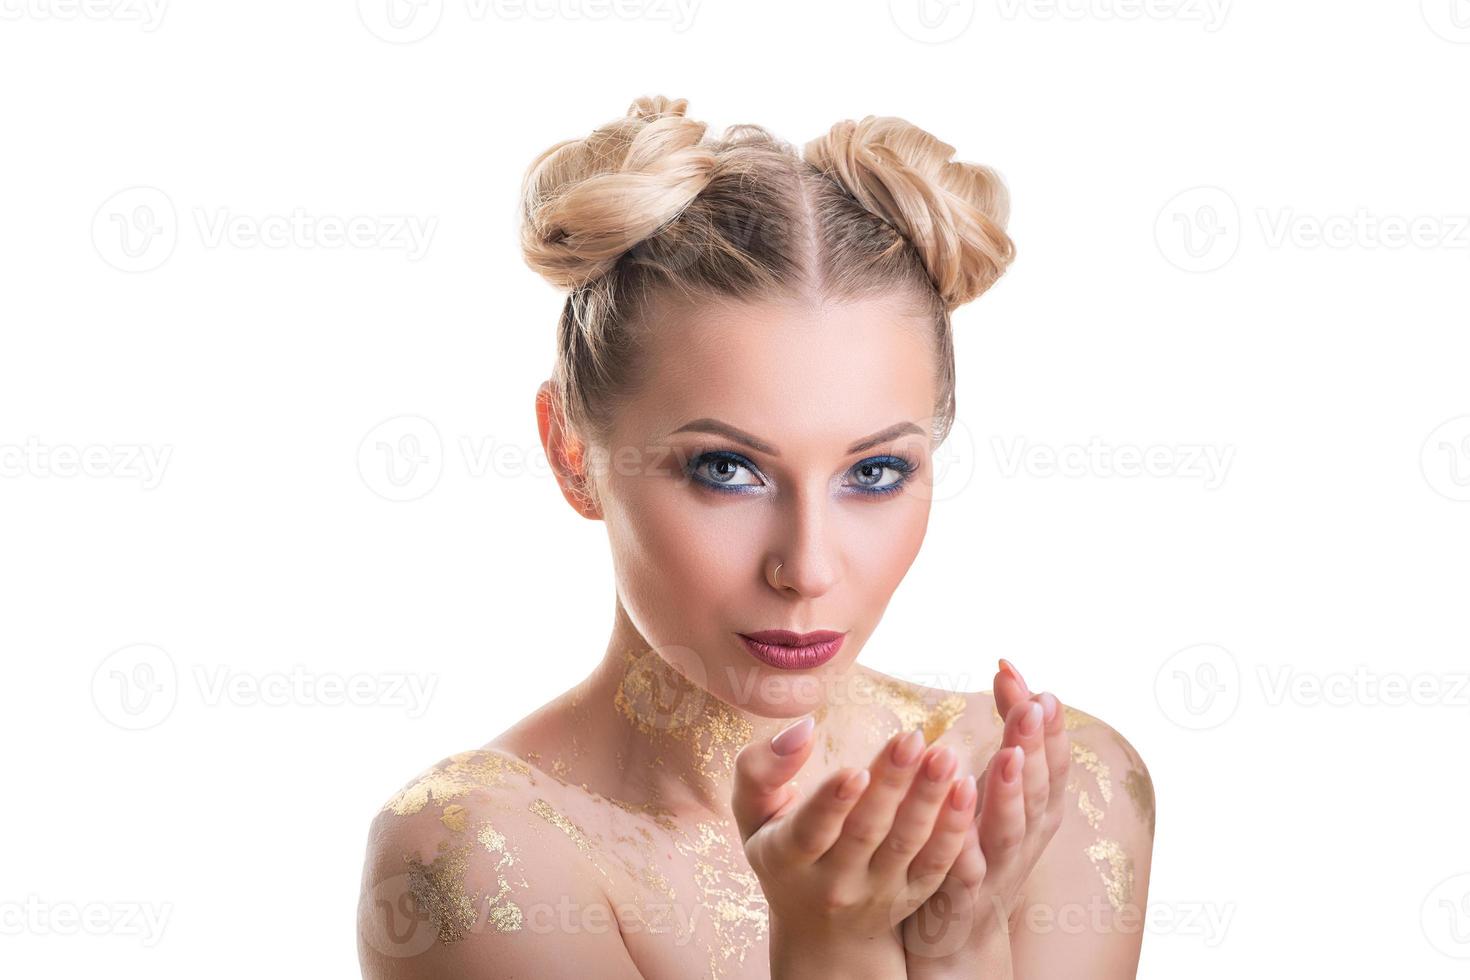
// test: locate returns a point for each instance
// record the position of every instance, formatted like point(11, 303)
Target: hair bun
point(584, 202)
point(954, 213)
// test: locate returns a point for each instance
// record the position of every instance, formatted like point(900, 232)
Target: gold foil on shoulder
point(440, 891)
point(1140, 789)
point(455, 777)
point(1115, 868)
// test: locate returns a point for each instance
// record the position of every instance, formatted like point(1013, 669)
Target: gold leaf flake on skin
point(455, 777)
point(453, 817)
point(503, 914)
point(1076, 719)
point(1115, 868)
point(908, 704)
point(1140, 789)
point(1090, 810)
point(440, 892)
point(660, 702)
point(1088, 759)
point(729, 889)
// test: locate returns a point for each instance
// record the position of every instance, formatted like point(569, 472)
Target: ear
point(566, 454)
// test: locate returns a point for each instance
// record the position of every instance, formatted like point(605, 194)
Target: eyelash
point(701, 457)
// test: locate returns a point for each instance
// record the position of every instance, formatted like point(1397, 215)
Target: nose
point(805, 551)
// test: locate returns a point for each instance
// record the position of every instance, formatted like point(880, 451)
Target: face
point(770, 432)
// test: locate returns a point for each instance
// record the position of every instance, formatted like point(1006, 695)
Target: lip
point(786, 650)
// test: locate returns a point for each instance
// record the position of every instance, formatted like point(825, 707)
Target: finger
point(1009, 688)
point(914, 821)
point(1058, 757)
point(763, 773)
point(869, 822)
point(815, 824)
point(954, 828)
point(1024, 729)
point(1003, 812)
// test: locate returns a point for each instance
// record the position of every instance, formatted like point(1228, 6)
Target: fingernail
point(1013, 765)
point(793, 736)
point(1031, 720)
point(1049, 704)
point(852, 785)
point(908, 748)
point(1010, 668)
point(964, 793)
point(941, 764)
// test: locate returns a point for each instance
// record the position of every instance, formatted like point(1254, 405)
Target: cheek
point(679, 558)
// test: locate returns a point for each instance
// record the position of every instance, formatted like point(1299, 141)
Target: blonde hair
point(646, 206)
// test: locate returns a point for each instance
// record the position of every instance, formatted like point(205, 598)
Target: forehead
point(787, 369)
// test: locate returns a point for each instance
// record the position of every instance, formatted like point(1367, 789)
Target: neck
point(670, 743)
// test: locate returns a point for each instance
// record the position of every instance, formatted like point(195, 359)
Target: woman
point(754, 366)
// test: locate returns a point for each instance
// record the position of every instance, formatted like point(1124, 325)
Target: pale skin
point(642, 825)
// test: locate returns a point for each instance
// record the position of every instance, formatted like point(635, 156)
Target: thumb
point(763, 773)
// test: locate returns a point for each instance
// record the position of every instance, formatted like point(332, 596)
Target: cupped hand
point(964, 924)
point(842, 868)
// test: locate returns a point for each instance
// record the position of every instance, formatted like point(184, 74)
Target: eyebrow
point(716, 427)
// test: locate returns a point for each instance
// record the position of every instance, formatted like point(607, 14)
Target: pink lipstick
point(786, 650)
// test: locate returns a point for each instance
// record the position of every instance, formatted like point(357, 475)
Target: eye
point(721, 471)
point(869, 474)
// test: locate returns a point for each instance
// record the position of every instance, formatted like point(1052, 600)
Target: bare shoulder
point(465, 868)
point(1082, 910)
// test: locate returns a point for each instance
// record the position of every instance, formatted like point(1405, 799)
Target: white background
point(1211, 203)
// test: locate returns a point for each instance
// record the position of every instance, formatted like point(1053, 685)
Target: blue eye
point(724, 469)
point(875, 466)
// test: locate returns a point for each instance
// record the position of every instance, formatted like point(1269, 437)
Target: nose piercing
point(776, 576)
